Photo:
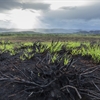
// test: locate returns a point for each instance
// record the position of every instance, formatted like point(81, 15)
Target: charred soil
point(38, 79)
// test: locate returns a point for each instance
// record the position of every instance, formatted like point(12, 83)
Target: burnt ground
point(35, 80)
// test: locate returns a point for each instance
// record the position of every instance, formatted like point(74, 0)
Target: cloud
point(6, 5)
point(84, 12)
point(68, 8)
point(64, 16)
point(9, 4)
point(7, 24)
point(74, 24)
point(36, 6)
point(77, 17)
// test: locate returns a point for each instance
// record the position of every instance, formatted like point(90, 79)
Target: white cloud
point(56, 4)
point(25, 19)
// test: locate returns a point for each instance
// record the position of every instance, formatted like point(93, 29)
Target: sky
point(66, 14)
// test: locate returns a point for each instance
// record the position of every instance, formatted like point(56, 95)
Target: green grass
point(29, 49)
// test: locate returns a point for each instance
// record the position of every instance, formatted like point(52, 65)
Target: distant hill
point(12, 30)
point(56, 30)
point(90, 32)
point(40, 30)
point(3, 30)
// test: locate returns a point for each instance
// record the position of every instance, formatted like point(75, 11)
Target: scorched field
point(50, 71)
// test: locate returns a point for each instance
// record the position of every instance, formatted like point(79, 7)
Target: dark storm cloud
point(36, 6)
point(9, 4)
point(84, 12)
point(68, 8)
point(82, 17)
point(15, 4)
